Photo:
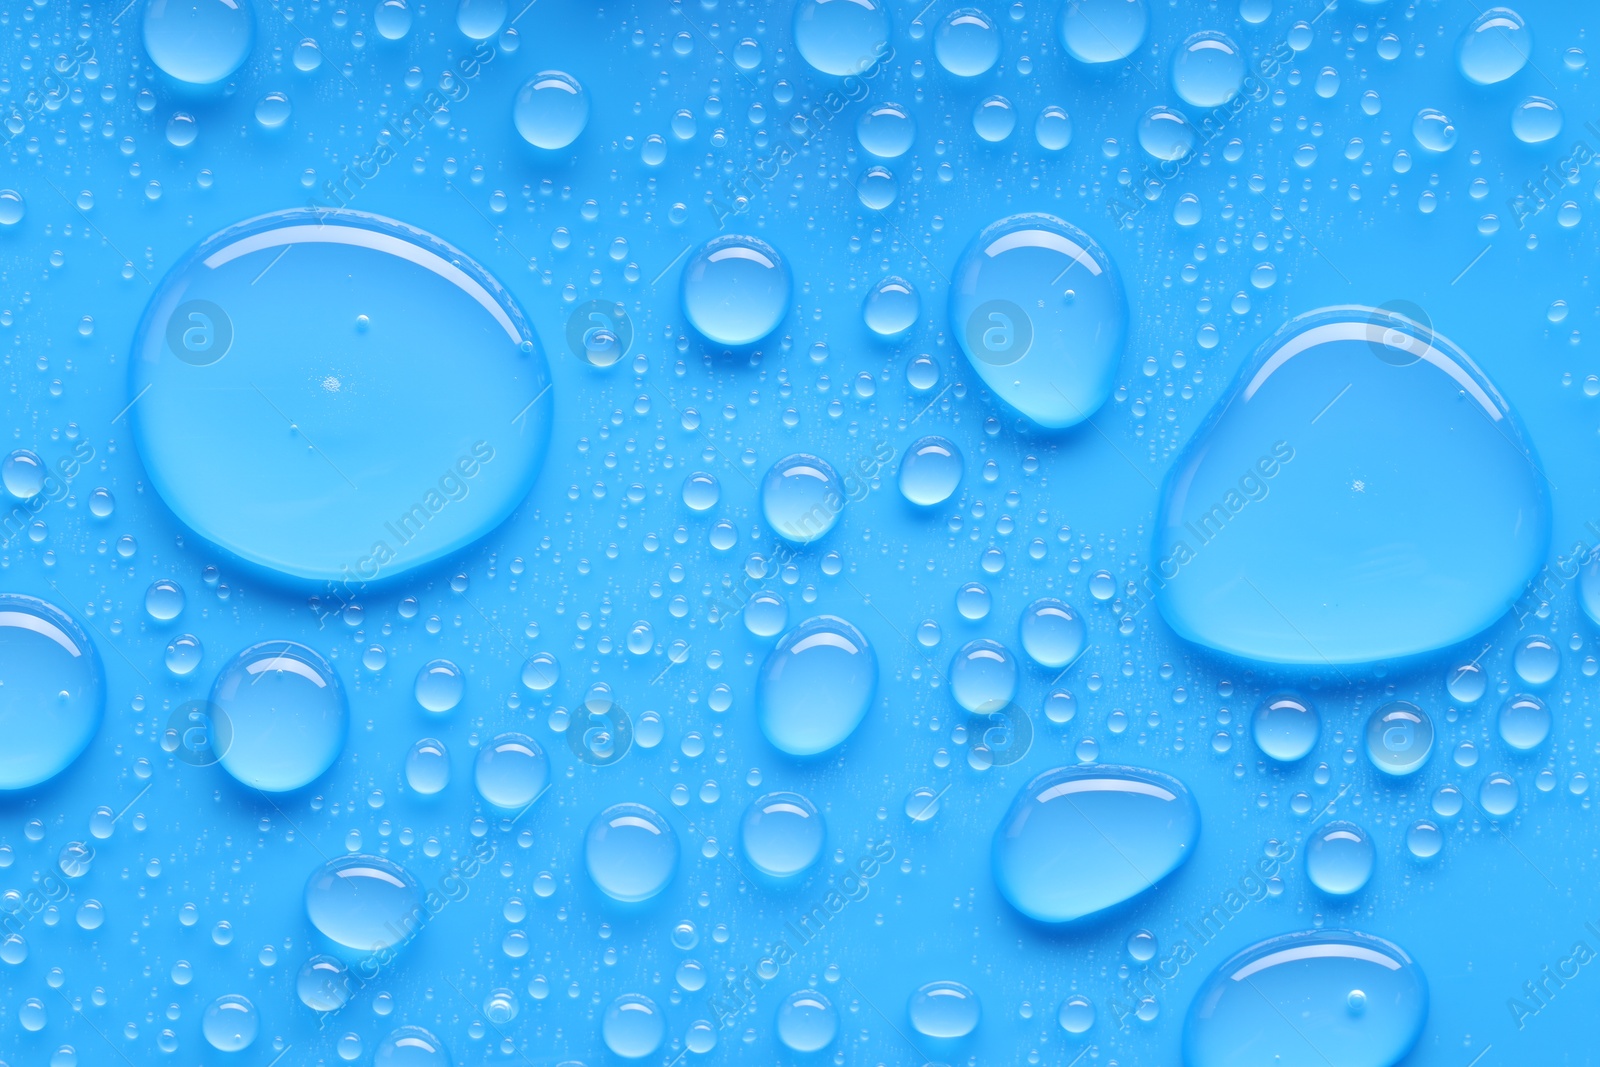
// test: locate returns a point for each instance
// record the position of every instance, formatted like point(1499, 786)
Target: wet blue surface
point(513, 823)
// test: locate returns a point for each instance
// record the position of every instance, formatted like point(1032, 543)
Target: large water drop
point(736, 289)
point(337, 396)
point(944, 1010)
point(782, 834)
point(1494, 47)
point(281, 716)
point(366, 903)
point(1315, 516)
point(1078, 840)
point(816, 686)
point(841, 37)
point(551, 110)
point(198, 41)
point(52, 691)
point(1308, 999)
point(801, 497)
point(630, 852)
point(1103, 31)
point(930, 471)
point(1039, 310)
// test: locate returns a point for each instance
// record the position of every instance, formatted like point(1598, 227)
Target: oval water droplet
point(782, 834)
point(411, 1046)
point(630, 852)
point(1207, 69)
point(807, 1021)
point(842, 37)
point(1340, 858)
point(1494, 47)
point(633, 1027)
point(366, 903)
point(1287, 1002)
point(1351, 438)
point(271, 434)
point(816, 686)
point(230, 1023)
point(1286, 728)
point(886, 130)
point(801, 498)
point(983, 676)
point(1079, 840)
point(439, 686)
point(52, 691)
point(1524, 722)
point(736, 289)
point(323, 984)
point(199, 42)
point(511, 771)
point(891, 307)
point(1103, 31)
point(282, 716)
point(551, 110)
point(1399, 738)
point(944, 1010)
point(930, 471)
point(1052, 633)
point(1055, 361)
point(428, 766)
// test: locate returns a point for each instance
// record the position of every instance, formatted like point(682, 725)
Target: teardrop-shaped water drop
point(1079, 840)
point(816, 686)
point(1315, 516)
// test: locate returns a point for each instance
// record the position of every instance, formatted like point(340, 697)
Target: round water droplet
point(198, 41)
point(766, 614)
point(736, 289)
point(1535, 120)
point(392, 19)
point(428, 766)
point(841, 37)
point(1076, 1014)
point(930, 471)
point(439, 686)
point(1494, 47)
point(816, 686)
point(1166, 134)
point(481, 19)
point(281, 718)
point(1053, 129)
point(877, 188)
point(891, 307)
point(782, 834)
point(1524, 722)
point(1285, 728)
point(11, 207)
point(1103, 31)
point(801, 498)
point(23, 473)
point(1207, 69)
point(1339, 858)
point(1284, 999)
point(271, 434)
point(633, 1027)
point(364, 902)
point(1039, 311)
point(967, 43)
point(551, 110)
point(944, 1010)
point(163, 601)
point(994, 119)
point(181, 130)
point(323, 984)
point(1328, 451)
point(273, 109)
point(230, 1023)
point(1433, 130)
point(52, 691)
point(701, 491)
point(630, 852)
point(1424, 839)
point(1537, 660)
point(511, 771)
point(1498, 795)
point(1052, 633)
point(1399, 738)
point(1078, 840)
point(1466, 683)
point(411, 1046)
point(540, 672)
point(886, 130)
point(807, 1021)
point(983, 676)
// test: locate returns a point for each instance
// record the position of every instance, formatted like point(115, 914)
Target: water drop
point(630, 852)
point(983, 676)
point(511, 771)
point(323, 984)
point(944, 1010)
point(1494, 47)
point(411, 1046)
point(736, 289)
point(782, 834)
point(1285, 728)
point(1103, 31)
point(1537, 660)
point(633, 1027)
point(282, 716)
point(53, 694)
point(428, 766)
point(439, 686)
point(1207, 69)
point(801, 498)
point(199, 42)
point(551, 110)
point(1524, 722)
point(807, 1021)
point(841, 37)
point(886, 130)
point(967, 43)
point(230, 1023)
point(816, 686)
point(930, 471)
point(1339, 858)
point(366, 903)
point(891, 307)
point(1053, 634)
